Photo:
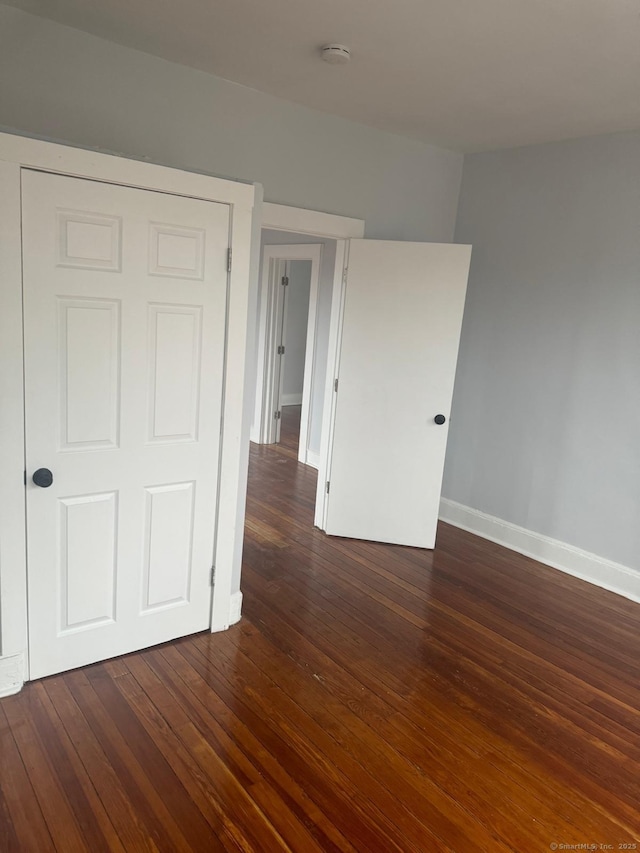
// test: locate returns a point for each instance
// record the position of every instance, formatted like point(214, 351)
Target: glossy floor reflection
point(373, 698)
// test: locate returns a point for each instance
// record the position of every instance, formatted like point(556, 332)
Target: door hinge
point(335, 385)
point(213, 575)
point(277, 415)
point(280, 350)
point(285, 280)
point(25, 478)
point(344, 274)
point(229, 260)
point(328, 484)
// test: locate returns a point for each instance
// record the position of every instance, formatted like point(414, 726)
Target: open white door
point(403, 307)
point(124, 305)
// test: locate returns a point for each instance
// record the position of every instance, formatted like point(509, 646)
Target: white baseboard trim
point(559, 555)
point(11, 674)
point(313, 459)
point(235, 608)
point(292, 399)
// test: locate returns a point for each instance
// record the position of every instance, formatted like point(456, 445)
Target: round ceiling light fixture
point(336, 54)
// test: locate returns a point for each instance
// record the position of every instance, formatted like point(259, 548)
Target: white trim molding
point(235, 608)
point(12, 674)
point(13, 545)
point(331, 377)
point(292, 399)
point(281, 217)
point(313, 459)
point(552, 552)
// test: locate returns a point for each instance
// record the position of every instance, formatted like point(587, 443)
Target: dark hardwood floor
point(373, 698)
point(290, 431)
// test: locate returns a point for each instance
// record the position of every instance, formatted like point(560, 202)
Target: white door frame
point(269, 330)
point(269, 380)
point(18, 152)
point(314, 223)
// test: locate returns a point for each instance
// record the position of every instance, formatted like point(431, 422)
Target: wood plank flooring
point(373, 698)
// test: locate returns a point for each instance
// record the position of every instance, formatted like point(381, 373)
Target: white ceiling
point(465, 74)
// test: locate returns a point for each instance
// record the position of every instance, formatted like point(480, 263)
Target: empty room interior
point(319, 426)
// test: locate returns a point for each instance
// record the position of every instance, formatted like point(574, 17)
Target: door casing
point(313, 223)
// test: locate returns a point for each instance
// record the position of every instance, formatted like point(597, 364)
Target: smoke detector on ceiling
point(336, 54)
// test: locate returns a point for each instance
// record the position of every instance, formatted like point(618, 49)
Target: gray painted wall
point(63, 84)
point(545, 426)
point(295, 331)
point(323, 320)
point(546, 416)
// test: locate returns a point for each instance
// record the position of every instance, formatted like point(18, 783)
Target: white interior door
point(124, 312)
point(402, 316)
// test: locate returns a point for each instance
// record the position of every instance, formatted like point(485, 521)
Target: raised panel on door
point(399, 343)
point(88, 538)
point(168, 545)
point(176, 252)
point(174, 372)
point(89, 373)
point(125, 304)
point(88, 241)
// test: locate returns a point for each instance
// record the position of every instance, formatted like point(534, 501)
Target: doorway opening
point(292, 226)
point(296, 284)
point(390, 359)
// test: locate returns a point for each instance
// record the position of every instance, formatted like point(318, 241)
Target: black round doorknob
point(43, 478)
point(439, 419)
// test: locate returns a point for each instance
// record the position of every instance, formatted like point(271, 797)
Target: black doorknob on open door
point(439, 419)
point(43, 478)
